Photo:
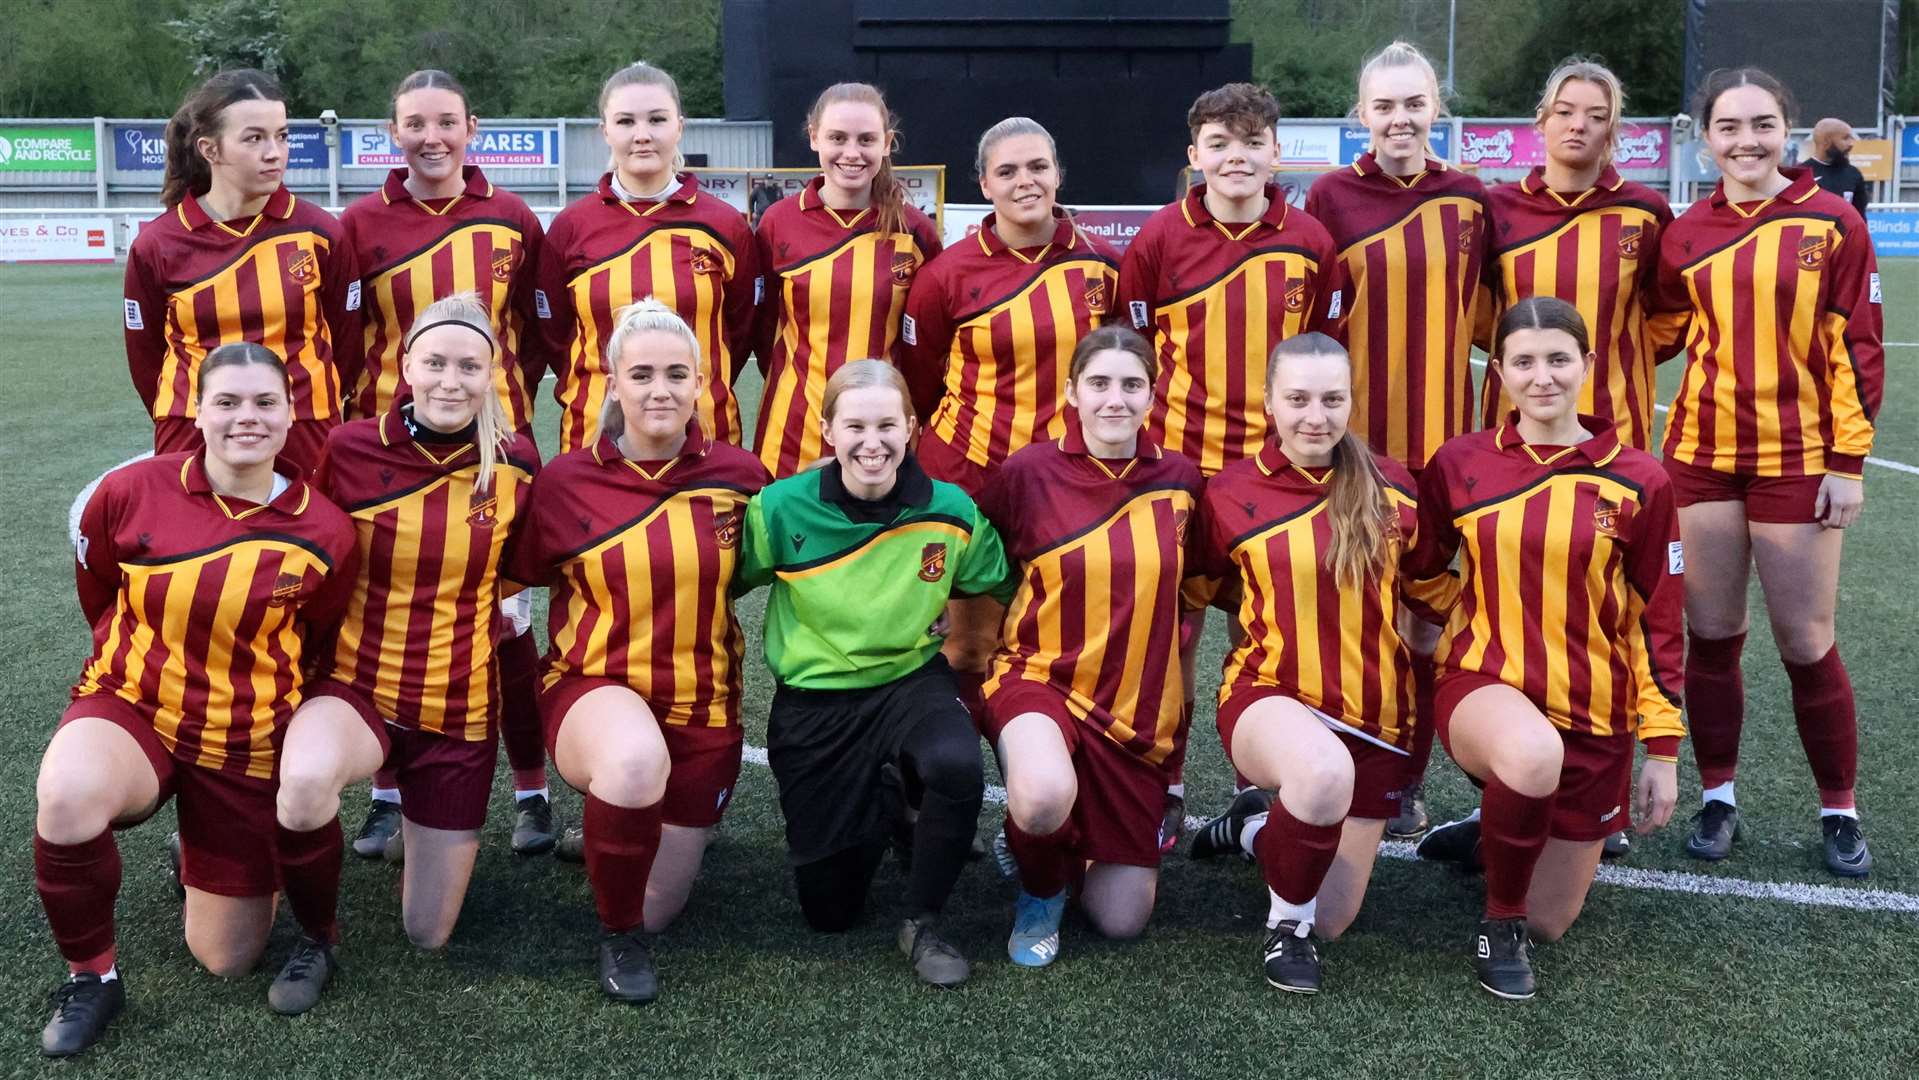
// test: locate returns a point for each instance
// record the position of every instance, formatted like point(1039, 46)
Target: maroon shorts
point(172, 434)
point(1379, 772)
point(1778, 500)
point(226, 818)
point(444, 782)
point(1594, 797)
point(1122, 798)
point(943, 462)
point(704, 762)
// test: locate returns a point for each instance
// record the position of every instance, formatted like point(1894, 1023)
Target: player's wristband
point(1850, 466)
point(1660, 757)
point(1663, 748)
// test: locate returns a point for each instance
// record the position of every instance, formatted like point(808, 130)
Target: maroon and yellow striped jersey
point(1597, 250)
point(689, 250)
point(1264, 524)
point(1215, 298)
point(1100, 545)
point(418, 636)
point(282, 278)
point(1414, 249)
point(202, 605)
point(1571, 582)
point(995, 327)
point(412, 252)
point(836, 289)
point(640, 556)
point(1780, 303)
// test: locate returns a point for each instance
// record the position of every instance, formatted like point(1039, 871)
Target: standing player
point(838, 258)
point(1412, 234)
point(990, 330)
point(1223, 275)
point(237, 257)
point(1084, 700)
point(435, 486)
point(638, 537)
point(1776, 281)
point(436, 228)
point(1316, 699)
point(1564, 639)
point(648, 231)
point(201, 575)
point(862, 556)
point(1575, 230)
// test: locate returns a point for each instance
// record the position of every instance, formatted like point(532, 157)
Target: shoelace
point(925, 941)
point(68, 1004)
point(1848, 833)
point(304, 959)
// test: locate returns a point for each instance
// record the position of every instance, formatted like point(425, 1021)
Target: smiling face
point(432, 128)
point(244, 414)
point(656, 382)
point(642, 127)
point(1021, 180)
point(450, 369)
point(1747, 135)
point(852, 141)
point(1398, 105)
point(250, 154)
point(1310, 400)
point(1578, 126)
point(868, 432)
point(1111, 394)
point(1236, 166)
point(1543, 370)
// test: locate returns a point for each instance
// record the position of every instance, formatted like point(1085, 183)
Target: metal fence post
point(100, 150)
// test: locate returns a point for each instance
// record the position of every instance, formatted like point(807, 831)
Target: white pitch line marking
point(1631, 878)
point(1884, 463)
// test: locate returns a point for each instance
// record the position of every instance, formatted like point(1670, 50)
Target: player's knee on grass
point(228, 947)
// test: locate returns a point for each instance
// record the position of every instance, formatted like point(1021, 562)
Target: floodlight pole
point(1452, 22)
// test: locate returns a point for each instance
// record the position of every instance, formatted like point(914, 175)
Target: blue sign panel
point(142, 147)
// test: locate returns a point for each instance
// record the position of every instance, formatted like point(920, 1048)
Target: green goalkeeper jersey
point(857, 584)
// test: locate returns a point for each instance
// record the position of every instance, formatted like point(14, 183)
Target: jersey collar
point(1534, 184)
point(1273, 462)
point(1367, 164)
point(293, 501)
point(1193, 207)
point(688, 190)
point(1800, 186)
point(280, 205)
point(394, 432)
point(1600, 448)
point(477, 187)
point(1074, 442)
point(811, 200)
point(912, 488)
point(1065, 238)
point(606, 452)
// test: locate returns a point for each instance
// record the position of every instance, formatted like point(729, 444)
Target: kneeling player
point(188, 562)
point(1565, 636)
point(638, 537)
point(1084, 700)
point(1317, 700)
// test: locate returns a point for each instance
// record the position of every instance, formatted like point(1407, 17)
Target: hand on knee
point(306, 800)
point(634, 778)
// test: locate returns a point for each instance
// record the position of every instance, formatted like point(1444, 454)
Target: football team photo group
point(1403, 446)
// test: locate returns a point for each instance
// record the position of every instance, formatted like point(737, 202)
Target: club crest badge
point(1606, 517)
point(1629, 237)
point(726, 529)
point(302, 266)
point(503, 266)
point(286, 590)
point(481, 516)
point(1295, 294)
point(932, 562)
point(1812, 252)
point(903, 267)
point(703, 261)
point(1096, 299)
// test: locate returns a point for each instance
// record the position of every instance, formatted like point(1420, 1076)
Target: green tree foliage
point(91, 58)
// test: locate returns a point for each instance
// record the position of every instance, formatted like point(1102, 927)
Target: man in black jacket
point(1831, 142)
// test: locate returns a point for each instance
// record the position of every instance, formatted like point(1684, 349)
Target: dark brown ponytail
point(889, 195)
point(200, 117)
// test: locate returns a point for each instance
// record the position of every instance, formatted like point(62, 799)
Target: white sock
point(522, 796)
point(1250, 830)
point(1849, 811)
point(386, 794)
point(1279, 911)
point(110, 974)
point(1721, 792)
point(1177, 791)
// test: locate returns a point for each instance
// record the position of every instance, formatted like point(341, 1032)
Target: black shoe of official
point(174, 857)
point(626, 968)
point(1714, 828)
point(83, 1006)
point(1503, 959)
point(1456, 842)
point(300, 983)
point(1617, 846)
point(572, 845)
point(382, 822)
point(533, 826)
point(1411, 821)
point(1292, 958)
point(1846, 851)
point(1220, 836)
point(1172, 823)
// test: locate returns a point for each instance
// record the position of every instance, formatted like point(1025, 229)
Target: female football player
point(1774, 284)
point(862, 556)
point(1085, 697)
point(1563, 640)
point(202, 574)
point(238, 257)
point(839, 257)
